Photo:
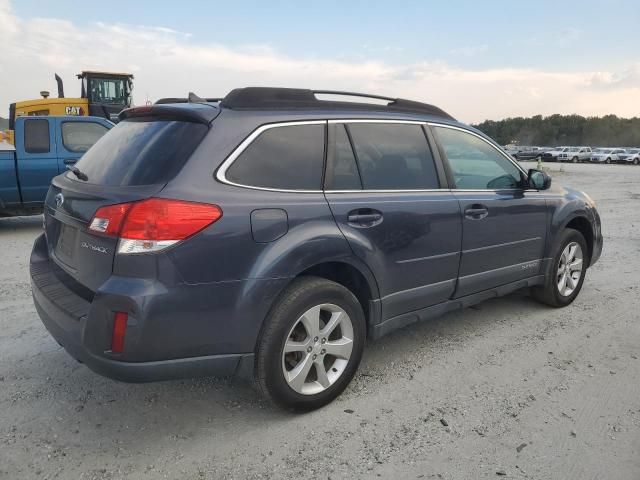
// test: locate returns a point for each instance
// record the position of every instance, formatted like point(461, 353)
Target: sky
point(476, 60)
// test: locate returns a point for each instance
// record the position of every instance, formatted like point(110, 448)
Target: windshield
point(604, 150)
point(108, 90)
point(574, 149)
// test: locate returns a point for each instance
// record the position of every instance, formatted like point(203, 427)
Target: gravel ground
point(509, 388)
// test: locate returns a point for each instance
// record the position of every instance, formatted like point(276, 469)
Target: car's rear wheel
point(311, 344)
point(567, 272)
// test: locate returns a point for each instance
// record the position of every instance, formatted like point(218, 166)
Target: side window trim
point(355, 153)
point(439, 156)
point(330, 155)
point(446, 160)
point(221, 172)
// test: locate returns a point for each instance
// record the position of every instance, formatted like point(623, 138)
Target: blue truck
point(44, 147)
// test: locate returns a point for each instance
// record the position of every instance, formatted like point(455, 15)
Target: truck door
point(74, 136)
point(36, 156)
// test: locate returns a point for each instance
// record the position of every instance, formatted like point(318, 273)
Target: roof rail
point(267, 98)
point(190, 99)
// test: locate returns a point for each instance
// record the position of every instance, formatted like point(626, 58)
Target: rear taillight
point(153, 224)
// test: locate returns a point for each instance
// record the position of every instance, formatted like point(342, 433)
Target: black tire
point(549, 293)
point(303, 294)
point(575, 159)
point(636, 161)
point(607, 161)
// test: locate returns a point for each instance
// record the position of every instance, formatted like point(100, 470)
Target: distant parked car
point(575, 154)
point(606, 155)
point(552, 155)
point(529, 153)
point(631, 155)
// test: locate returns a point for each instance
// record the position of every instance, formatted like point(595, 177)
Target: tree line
point(607, 131)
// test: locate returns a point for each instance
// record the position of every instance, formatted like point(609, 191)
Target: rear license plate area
point(66, 244)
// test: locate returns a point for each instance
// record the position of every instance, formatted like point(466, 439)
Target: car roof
point(289, 104)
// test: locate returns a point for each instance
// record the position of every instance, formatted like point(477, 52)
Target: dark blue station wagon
point(268, 233)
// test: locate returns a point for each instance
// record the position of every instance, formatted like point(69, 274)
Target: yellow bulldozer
point(102, 94)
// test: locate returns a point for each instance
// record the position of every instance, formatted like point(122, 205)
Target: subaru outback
point(269, 233)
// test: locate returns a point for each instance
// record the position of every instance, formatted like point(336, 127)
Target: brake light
point(153, 224)
point(119, 330)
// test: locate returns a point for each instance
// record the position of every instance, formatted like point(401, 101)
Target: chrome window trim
point(375, 120)
point(504, 154)
point(390, 191)
point(221, 174)
point(226, 164)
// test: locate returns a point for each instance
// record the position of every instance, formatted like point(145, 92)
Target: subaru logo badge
point(59, 200)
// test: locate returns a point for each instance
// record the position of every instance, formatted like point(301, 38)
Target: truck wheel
point(567, 271)
point(311, 344)
point(574, 159)
point(607, 161)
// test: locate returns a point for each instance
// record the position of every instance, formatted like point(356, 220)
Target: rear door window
point(141, 152)
point(285, 158)
point(36, 136)
point(78, 137)
point(393, 156)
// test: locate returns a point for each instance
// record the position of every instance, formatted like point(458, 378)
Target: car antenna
point(193, 98)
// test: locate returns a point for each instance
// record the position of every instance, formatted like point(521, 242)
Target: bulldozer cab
point(107, 93)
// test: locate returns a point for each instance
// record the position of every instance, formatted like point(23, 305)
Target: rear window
point(141, 152)
point(36, 136)
point(287, 158)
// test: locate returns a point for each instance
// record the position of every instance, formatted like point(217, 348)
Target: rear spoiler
point(198, 113)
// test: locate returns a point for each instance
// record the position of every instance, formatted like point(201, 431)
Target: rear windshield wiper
point(77, 172)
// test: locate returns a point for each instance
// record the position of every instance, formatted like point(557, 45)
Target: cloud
point(470, 50)
point(169, 63)
point(629, 77)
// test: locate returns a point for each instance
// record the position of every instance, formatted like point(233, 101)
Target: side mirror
point(538, 179)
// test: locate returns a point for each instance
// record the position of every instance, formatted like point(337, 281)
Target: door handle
point(70, 161)
point(364, 217)
point(476, 212)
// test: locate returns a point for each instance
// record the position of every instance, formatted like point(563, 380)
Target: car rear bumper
point(83, 327)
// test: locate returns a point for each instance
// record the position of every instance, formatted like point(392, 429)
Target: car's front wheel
point(567, 272)
point(636, 161)
point(607, 161)
point(311, 344)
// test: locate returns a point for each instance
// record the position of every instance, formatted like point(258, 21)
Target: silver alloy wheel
point(317, 349)
point(570, 269)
